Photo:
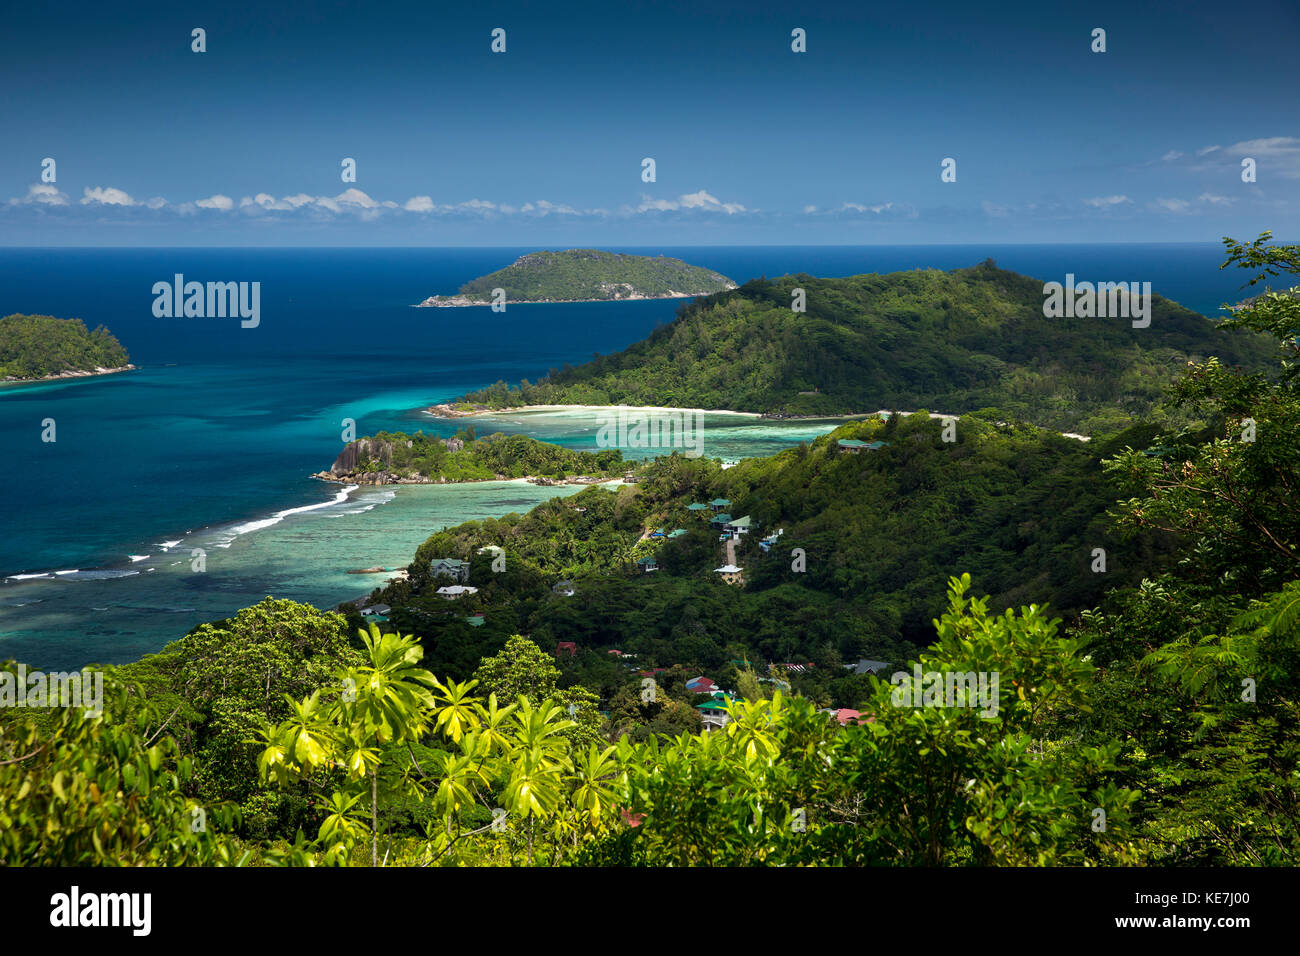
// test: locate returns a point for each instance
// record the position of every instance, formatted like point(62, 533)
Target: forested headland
point(393, 457)
point(953, 342)
point(41, 346)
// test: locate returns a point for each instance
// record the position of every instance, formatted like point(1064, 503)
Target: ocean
point(210, 444)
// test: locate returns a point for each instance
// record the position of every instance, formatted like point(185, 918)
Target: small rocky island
point(587, 275)
point(36, 348)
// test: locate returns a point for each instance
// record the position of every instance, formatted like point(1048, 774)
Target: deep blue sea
point(209, 444)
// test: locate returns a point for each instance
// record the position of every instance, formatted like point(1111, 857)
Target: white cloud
point(1215, 200)
point(42, 194)
point(1172, 205)
point(696, 200)
point(224, 203)
point(546, 208)
point(106, 196)
point(1204, 150)
point(1269, 146)
point(1170, 156)
point(647, 204)
point(1105, 202)
point(355, 197)
point(267, 201)
point(1281, 152)
point(354, 202)
point(852, 210)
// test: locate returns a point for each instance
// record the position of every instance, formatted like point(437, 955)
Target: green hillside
point(1020, 508)
point(589, 274)
point(953, 342)
point(37, 346)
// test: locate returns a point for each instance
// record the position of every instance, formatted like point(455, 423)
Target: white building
point(453, 591)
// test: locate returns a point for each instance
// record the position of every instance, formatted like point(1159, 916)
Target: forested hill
point(581, 275)
point(41, 346)
point(882, 530)
point(955, 341)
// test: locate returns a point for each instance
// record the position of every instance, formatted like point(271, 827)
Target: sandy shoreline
point(65, 375)
point(461, 302)
point(446, 411)
point(526, 479)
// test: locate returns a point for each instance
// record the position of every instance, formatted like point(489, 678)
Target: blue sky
point(456, 145)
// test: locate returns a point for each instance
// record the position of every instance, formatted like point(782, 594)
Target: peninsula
point(35, 348)
point(395, 458)
point(961, 341)
point(586, 275)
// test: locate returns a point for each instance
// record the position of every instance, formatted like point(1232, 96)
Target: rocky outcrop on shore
point(366, 450)
point(78, 373)
point(377, 478)
point(363, 449)
point(447, 411)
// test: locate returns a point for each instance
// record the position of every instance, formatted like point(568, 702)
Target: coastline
point(446, 411)
point(541, 480)
point(463, 302)
point(65, 375)
point(443, 410)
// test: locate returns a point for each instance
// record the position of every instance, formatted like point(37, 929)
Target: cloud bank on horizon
point(895, 126)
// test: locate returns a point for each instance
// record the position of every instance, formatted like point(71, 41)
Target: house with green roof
point(697, 506)
point(647, 564)
point(739, 526)
point(717, 504)
point(451, 567)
